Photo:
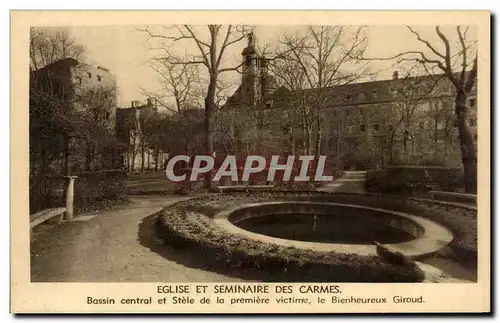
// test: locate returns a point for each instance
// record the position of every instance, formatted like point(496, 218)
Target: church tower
point(249, 77)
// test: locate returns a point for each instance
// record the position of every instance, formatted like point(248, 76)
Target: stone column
point(69, 197)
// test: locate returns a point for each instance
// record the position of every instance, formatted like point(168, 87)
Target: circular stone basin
point(326, 223)
point(329, 228)
point(334, 227)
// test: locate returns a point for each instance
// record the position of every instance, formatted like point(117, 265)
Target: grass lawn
point(150, 183)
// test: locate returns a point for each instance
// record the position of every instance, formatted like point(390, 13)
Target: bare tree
point(50, 115)
point(459, 66)
point(442, 116)
point(409, 94)
point(96, 108)
point(178, 85)
point(183, 90)
point(323, 54)
point(290, 74)
point(210, 53)
point(48, 45)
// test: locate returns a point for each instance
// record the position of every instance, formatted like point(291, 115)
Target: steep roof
point(382, 91)
point(64, 62)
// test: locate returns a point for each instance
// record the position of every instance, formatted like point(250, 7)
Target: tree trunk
point(406, 135)
point(127, 159)
point(149, 159)
point(467, 146)
point(67, 168)
point(436, 130)
point(260, 130)
point(317, 148)
point(308, 140)
point(304, 139)
point(390, 146)
point(339, 167)
point(209, 126)
point(157, 153)
point(43, 152)
point(142, 155)
point(133, 153)
point(88, 158)
point(338, 140)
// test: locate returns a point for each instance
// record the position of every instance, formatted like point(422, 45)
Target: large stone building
point(72, 117)
point(407, 120)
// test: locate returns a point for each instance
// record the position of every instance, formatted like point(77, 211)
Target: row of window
point(361, 96)
point(376, 94)
point(421, 108)
point(425, 124)
point(429, 124)
point(79, 79)
point(362, 127)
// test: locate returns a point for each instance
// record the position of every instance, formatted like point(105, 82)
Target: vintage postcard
point(250, 162)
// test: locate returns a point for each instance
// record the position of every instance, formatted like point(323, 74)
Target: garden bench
point(453, 196)
point(243, 188)
point(45, 215)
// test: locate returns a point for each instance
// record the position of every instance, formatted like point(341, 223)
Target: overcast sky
point(124, 50)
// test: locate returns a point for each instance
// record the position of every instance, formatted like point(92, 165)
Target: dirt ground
point(107, 248)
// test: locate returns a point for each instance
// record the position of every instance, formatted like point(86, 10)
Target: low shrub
point(459, 219)
point(414, 179)
point(91, 189)
point(45, 191)
point(193, 231)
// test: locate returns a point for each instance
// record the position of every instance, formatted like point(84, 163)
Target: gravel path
point(350, 182)
point(115, 246)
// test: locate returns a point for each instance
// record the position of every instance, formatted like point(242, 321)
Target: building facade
point(403, 120)
point(72, 117)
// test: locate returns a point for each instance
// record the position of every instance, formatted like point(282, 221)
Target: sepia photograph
point(242, 154)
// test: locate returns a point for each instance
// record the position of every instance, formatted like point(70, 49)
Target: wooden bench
point(47, 214)
point(244, 188)
point(453, 196)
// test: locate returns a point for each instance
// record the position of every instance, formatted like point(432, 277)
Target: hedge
point(184, 226)
point(414, 179)
point(461, 220)
point(47, 191)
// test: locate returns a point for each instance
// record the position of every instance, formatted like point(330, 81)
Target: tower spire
point(251, 39)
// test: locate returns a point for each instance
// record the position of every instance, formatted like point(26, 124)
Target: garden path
point(110, 247)
point(350, 182)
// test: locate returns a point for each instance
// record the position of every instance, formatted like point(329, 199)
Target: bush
point(414, 179)
point(94, 187)
point(47, 191)
point(193, 231)
point(357, 161)
point(460, 220)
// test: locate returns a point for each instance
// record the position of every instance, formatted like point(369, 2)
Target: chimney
point(395, 75)
point(132, 104)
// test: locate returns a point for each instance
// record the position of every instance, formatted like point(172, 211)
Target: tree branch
point(425, 42)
